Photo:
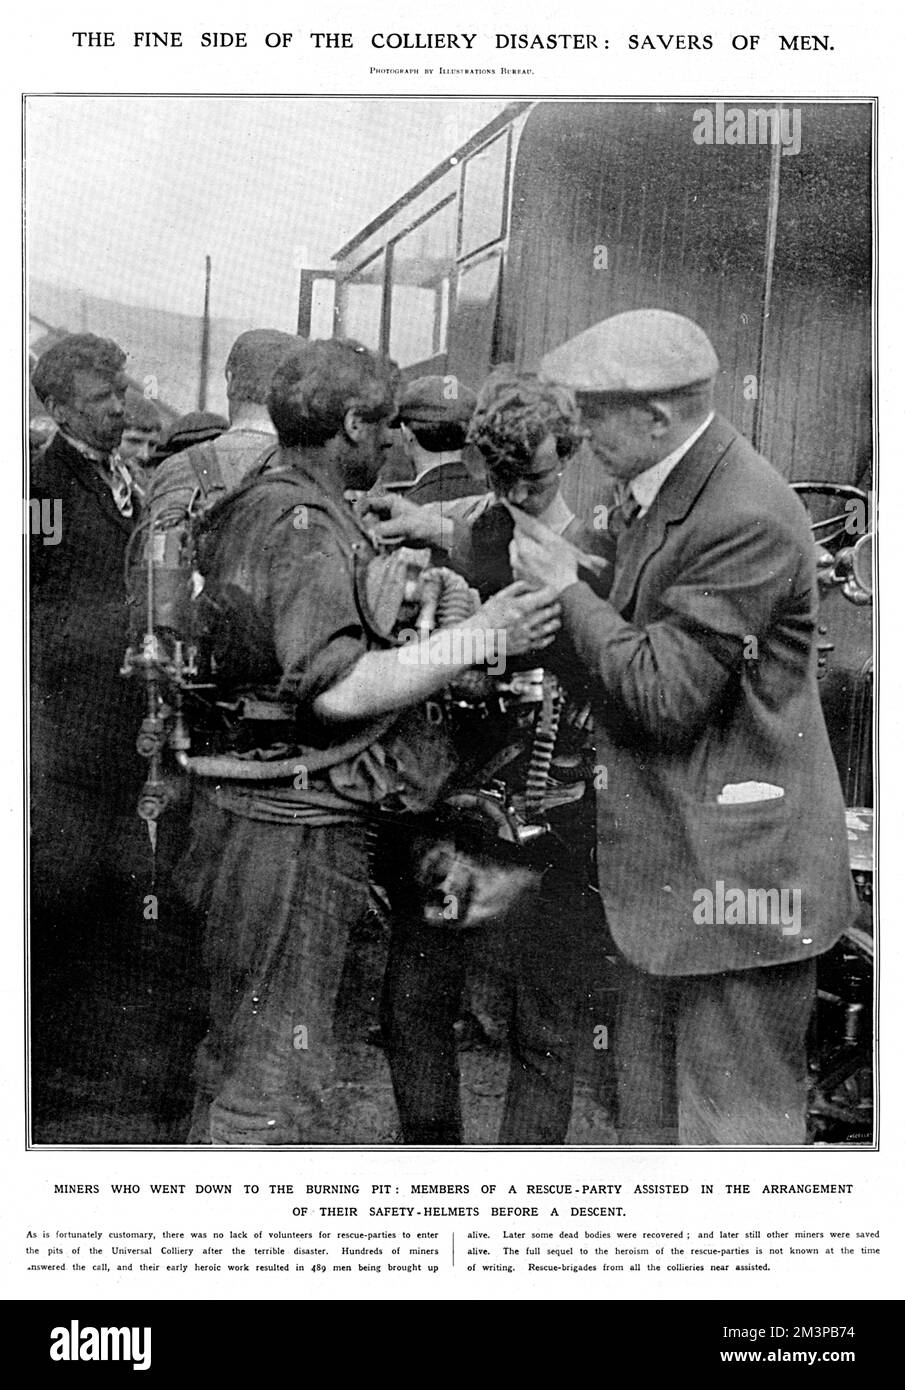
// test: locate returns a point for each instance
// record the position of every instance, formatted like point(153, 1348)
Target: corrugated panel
point(817, 399)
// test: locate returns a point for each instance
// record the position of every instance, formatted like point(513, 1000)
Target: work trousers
point(278, 902)
point(551, 948)
point(714, 1059)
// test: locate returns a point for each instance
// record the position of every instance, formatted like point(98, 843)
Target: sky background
point(126, 195)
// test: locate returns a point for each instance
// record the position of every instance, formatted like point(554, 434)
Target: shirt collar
point(112, 473)
point(87, 451)
point(431, 466)
point(557, 516)
point(645, 486)
point(252, 419)
point(256, 427)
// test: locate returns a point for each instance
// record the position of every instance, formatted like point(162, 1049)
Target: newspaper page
point(442, 764)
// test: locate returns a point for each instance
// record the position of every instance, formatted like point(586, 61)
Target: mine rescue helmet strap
point(205, 463)
point(263, 461)
point(206, 467)
point(262, 475)
point(226, 501)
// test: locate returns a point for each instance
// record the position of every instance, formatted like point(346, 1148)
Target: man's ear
point(354, 426)
point(662, 417)
point(57, 410)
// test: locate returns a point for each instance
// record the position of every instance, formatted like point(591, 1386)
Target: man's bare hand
point(526, 619)
point(539, 556)
point(393, 518)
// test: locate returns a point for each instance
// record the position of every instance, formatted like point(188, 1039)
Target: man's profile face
point(619, 435)
point(96, 409)
point(365, 461)
point(137, 446)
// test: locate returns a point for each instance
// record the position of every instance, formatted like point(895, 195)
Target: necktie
point(120, 483)
point(111, 472)
point(623, 512)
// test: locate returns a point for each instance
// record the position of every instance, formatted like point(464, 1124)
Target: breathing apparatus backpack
point(177, 626)
point(512, 730)
point(169, 626)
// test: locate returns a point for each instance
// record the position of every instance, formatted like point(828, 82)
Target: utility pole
point(205, 336)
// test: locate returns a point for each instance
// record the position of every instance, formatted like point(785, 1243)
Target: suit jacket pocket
point(747, 845)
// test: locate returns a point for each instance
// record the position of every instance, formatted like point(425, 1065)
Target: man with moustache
point(709, 727)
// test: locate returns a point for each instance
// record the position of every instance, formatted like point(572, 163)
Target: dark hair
point(515, 414)
point(54, 374)
point(141, 412)
point(316, 385)
point(252, 361)
point(440, 438)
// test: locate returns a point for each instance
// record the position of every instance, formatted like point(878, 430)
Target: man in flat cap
point(722, 847)
point(434, 415)
point(196, 427)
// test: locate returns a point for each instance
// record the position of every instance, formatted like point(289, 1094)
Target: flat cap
point(644, 352)
point(141, 411)
point(436, 400)
point(195, 428)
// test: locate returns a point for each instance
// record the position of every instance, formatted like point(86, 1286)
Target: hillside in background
point(158, 343)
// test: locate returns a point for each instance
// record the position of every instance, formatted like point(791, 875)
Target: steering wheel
point(832, 528)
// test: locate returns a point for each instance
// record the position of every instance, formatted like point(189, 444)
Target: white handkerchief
point(737, 793)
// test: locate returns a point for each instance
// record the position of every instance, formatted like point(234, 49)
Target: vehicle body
point(557, 214)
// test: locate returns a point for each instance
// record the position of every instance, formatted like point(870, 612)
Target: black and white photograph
point(450, 622)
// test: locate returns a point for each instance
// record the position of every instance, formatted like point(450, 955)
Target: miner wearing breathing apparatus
point(335, 733)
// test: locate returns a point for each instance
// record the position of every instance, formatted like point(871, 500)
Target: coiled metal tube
point(456, 601)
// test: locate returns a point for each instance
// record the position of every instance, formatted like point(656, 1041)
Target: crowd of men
point(685, 624)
